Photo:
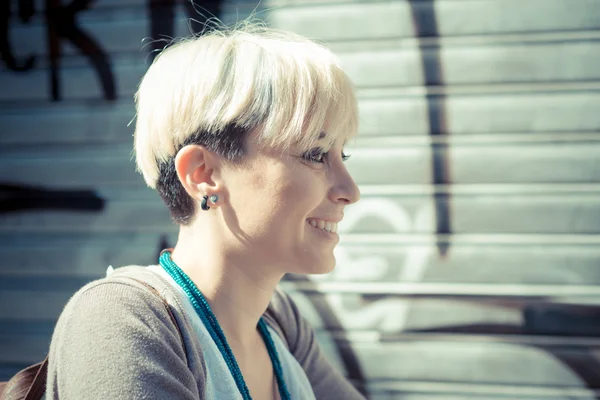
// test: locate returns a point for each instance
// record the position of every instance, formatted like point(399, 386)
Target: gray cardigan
point(115, 340)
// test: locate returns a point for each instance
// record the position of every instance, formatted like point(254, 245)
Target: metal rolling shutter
point(471, 266)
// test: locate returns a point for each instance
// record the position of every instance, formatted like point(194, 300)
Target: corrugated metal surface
point(471, 266)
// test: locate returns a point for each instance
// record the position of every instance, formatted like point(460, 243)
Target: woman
point(241, 132)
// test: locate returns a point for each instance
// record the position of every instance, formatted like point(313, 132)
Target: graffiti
point(61, 25)
point(426, 26)
point(26, 11)
point(389, 315)
point(162, 17)
point(15, 198)
point(347, 312)
point(401, 222)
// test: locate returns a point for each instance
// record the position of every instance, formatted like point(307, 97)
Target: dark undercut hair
point(229, 143)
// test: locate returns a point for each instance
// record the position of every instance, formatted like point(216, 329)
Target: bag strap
point(27, 384)
point(38, 386)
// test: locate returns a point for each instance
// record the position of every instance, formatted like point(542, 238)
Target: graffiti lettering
point(61, 25)
point(26, 11)
point(389, 315)
point(162, 17)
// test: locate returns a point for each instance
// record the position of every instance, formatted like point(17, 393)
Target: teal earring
point(204, 203)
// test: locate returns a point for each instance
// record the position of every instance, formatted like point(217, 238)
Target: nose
point(344, 189)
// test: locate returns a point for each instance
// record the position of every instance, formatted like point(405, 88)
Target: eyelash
point(318, 156)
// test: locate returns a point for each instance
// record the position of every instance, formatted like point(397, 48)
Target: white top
point(219, 381)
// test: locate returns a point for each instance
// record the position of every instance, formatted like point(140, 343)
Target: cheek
point(263, 196)
point(297, 191)
point(273, 197)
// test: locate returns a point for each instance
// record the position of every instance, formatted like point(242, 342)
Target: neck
point(237, 288)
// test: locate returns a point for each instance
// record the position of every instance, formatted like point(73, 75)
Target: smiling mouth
point(323, 225)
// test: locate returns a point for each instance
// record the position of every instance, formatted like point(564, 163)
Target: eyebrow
point(323, 135)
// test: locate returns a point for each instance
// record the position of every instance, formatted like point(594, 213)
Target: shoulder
point(117, 304)
point(284, 317)
point(129, 296)
point(113, 334)
point(117, 290)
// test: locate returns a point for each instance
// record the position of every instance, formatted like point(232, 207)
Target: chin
point(318, 266)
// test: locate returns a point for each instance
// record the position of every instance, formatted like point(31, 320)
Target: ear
point(198, 171)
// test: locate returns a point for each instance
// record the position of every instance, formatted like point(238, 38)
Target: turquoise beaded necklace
point(212, 325)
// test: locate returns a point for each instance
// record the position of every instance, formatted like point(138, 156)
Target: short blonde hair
point(250, 77)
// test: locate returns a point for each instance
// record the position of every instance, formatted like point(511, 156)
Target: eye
point(316, 155)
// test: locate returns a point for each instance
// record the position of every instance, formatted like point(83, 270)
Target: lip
point(328, 219)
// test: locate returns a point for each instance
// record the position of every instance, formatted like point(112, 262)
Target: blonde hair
point(251, 77)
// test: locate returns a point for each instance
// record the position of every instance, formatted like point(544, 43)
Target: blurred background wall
point(469, 269)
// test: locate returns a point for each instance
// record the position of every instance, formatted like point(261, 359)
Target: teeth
point(325, 225)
